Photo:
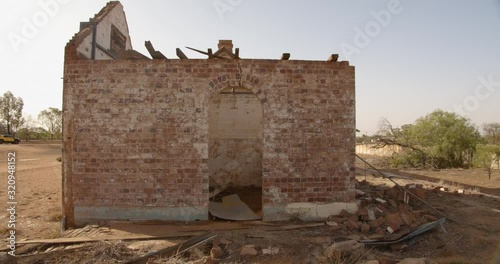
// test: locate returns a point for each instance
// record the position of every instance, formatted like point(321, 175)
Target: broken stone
point(394, 193)
point(348, 246)
point(359, 193)
point(333, 224)
point(387, 261)
point(354, 218)
point(351, 225)
point(407, 218)
point(365, 229)
point(336, 219)
point(374, 261)
point(377, 235)
point(430, 218)
point(394, 221)
point(404, 207)
point(270, 251)
point(416, 225)
point(413, 261)
point(380, 210)
point(216, 253)
point(371, 215)
point(362, 212)
point(376, 223)
point(248, 250)
point(354, 237)
point(420, 193)
point(344, 214)
point(364, 182)
point(417, 213)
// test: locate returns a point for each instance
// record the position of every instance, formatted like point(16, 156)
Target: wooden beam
point(67, 240)
point(285, 56)
point(333, 57)
point(154, 53)
point(207, 53)
point(180, 54)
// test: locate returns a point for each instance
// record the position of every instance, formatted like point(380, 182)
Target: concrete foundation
point(306, 211)
point(93, 214)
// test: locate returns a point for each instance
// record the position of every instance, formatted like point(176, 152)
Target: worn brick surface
point(136, 131)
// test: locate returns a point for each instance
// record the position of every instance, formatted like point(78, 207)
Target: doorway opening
point(235, 147)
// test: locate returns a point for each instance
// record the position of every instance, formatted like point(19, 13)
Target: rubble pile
point(385, 213)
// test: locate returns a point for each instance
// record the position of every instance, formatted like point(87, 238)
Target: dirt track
point(38, 189)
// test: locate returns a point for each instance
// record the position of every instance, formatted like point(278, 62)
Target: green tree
point(440, 140)
point(486, 156)
point(51, 119)
point(492, 133)
point(11, 109)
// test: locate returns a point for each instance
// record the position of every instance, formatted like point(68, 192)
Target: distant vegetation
point(439, 140)
point(47, 125)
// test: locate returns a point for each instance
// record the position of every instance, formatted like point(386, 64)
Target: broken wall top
point(111, 35)
point(106, 37)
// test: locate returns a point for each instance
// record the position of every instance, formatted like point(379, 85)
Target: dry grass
point(55, 217)
point(4, 231)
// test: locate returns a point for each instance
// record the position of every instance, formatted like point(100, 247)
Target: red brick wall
point(136, 131)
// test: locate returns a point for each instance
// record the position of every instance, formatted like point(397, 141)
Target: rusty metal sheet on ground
point(232, 208)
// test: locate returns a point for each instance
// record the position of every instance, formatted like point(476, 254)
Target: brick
point(345, 214)
point(407, 217)
point(351, 225)
point(248, 250)
point(420, 193)
point(394, 221)
point(362, 212)
point(376, 223)
point(430, 218)
point(365, 229)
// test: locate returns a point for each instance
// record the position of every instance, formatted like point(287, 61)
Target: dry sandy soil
point(473, 226)
point(38, 189)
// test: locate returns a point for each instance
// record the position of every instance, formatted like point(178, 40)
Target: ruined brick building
point(145, 138)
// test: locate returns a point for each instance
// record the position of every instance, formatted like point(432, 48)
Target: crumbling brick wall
point(136, 131)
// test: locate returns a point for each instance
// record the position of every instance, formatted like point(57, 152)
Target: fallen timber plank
point(67, 240)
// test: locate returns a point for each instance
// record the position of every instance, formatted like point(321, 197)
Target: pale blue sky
point(431, 54)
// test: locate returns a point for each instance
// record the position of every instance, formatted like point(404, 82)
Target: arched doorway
point(235, 145)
